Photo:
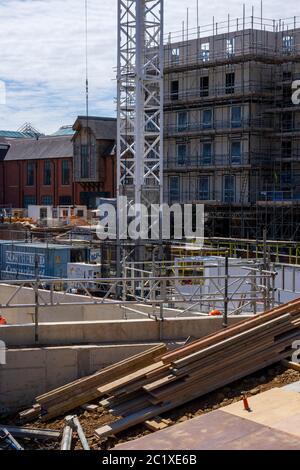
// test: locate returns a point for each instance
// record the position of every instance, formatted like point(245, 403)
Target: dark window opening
point(175, 90)
point(230, 83)
point(204, 86)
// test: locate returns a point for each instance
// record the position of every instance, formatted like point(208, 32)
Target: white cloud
point(42, 54)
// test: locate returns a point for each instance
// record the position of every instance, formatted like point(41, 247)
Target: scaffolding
point(232, 133)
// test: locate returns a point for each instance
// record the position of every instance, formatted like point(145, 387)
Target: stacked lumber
point(200, 367)
point(63, 399)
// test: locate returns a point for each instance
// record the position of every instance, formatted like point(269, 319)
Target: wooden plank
point(128, 379)
point(290, 308)
point(155, 410)
point(30, 415)
point(157, 424)
point(253, 332)
point(104, 376)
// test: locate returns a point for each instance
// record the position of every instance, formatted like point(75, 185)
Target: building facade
point(44, 170)
point(232, 132)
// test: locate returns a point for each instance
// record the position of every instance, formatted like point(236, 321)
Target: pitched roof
point(102, 127)
point(43, 148)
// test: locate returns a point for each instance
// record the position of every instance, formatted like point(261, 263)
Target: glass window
point(204, 86)
point(288, 43)
point(203, 188)
point(204, 53)
point(30, 174)
point(47, 173)
point(182, 121)
point(174, 189)
point(47, 200)
point(230, 83)
point(181, 154)
point(230, 46)
point(229, 188)
point(29, 201)
point(207, 118)
point(236, 155)
point(85, 170)
point(175, 90)
point(65, 201)
point(236, 116)
point(175, 55)
point(65, 173)
point(206, 153)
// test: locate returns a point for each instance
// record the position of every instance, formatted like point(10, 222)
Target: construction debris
point(291, 365)
point(39, 434)
point(9, 441)
point(67, 437)
point(80, 433)
point(201, 367)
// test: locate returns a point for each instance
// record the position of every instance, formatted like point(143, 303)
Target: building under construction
point(231, 128)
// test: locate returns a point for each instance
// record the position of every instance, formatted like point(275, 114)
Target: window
point(181, 154)
point(47, 173)
point(287, 121)
point(175, 90)
point(207, 118)
point(230, 46)
point(47, 200)
point(43, 213)
point(65, 173)
point(204, 53)
point(206, 153)
point(175, 55)
point(286, 149)
point(203, 188)
point(182, 121)
point(204, 86)
point(228, 188)
point(85, 170)
point(29, 201)
point(30, 174)
point(236, 116)
point(236, 156)
point(65, 201)
point(286, 76)
point(230, 83)
point(174, 189)
point(288, 44)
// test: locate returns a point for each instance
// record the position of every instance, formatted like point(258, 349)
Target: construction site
point(189, 341)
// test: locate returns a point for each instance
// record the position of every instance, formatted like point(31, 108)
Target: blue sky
point(42, 53)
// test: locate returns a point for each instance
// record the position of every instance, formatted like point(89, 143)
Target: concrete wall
point(31, 372)
point(117, 331)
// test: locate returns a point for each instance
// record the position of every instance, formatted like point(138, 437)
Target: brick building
point(42, 170)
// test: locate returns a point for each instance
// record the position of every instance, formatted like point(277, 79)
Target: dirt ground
point(266, 379)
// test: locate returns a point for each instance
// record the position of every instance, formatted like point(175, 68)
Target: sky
point(42, 53)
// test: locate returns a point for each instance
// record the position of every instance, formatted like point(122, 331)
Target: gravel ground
point(266, 379)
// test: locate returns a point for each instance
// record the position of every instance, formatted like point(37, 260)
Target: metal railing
point(191, 293)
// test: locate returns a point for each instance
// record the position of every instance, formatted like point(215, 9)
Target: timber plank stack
point(149, 384)
point(202, 367)
point(81, 391)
